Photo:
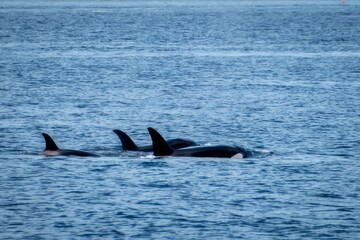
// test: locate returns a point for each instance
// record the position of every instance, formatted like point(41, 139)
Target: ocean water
point(280, 78)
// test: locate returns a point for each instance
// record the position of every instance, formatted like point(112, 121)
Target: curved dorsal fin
point(160, 146)
point(126, 141)
point(49, 143)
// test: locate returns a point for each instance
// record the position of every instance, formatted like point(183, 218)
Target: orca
point(129, 145)
point(51, 149)
point(162, 148)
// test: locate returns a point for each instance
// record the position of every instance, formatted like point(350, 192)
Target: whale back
point(178, 143)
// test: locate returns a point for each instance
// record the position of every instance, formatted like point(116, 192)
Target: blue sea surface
point(279, 78)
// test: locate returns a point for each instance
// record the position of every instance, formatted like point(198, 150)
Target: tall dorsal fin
point(126, 141)
point(49, 143)
point(160, 146)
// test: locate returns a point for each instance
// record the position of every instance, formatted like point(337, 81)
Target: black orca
point(51, 149)
point(161, 148)
point(129, 145)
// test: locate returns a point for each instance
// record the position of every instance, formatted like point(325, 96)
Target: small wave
point(259, 153)
point(329, 195)
point(149, 164)
point(150, 156)
point(101, 11)
point(13, 205)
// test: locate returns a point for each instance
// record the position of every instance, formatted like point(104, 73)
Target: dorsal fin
point(49, 143)
point(160, 146)
point(126, 141)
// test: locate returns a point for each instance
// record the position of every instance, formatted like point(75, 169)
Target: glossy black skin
point(51, 149)
point(68, 152)
point(129, 145)
point(161, 148)
point(218, 151)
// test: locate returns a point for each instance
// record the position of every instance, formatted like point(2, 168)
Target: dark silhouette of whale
point(51, 149)
point(129, 145)
point(162, 148)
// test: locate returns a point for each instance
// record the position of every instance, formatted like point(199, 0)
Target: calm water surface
point(280, 79)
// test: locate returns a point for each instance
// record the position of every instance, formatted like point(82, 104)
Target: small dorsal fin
point(160, 146)
point(49, 143)
point(126, 141)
